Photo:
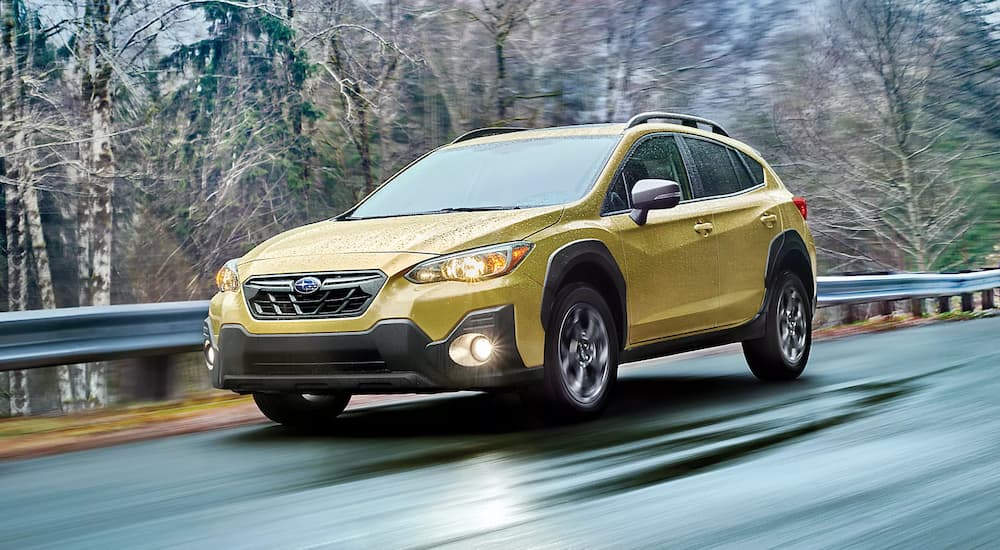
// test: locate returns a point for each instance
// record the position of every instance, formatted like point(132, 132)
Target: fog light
point(209, 355)
point(471, 350)
point(481, 348)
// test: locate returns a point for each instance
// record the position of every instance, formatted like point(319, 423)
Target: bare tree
point(361, 58)
point(24, 122)
point(862, 123)
point(500, 18)
point(11, 109)
point(96, 176)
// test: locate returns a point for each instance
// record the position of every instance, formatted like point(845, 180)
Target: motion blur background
point(145, 142)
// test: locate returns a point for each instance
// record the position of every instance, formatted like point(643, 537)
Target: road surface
point(888, 440)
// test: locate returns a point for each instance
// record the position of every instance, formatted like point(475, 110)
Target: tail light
point(800, 203)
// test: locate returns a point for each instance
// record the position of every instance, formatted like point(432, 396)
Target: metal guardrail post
point(967, 304)
point(944, 304)
point(917, 307)
point(988, 302)
point(152, 378)
point(887, 308)
point(847, 314)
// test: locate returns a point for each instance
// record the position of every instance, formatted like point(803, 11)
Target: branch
point(187, 4)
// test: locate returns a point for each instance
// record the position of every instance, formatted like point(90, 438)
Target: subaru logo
point(306, 285)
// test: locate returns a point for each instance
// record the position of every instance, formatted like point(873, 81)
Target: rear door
point(746, 221)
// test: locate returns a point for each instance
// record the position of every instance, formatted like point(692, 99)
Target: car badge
point(306, 285)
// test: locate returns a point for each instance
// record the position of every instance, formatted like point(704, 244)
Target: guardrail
point(861, 289)
point(44, 338)
point(50, 337)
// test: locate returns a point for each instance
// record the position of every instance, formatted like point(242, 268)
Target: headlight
point(471, 265)
point(227, 279)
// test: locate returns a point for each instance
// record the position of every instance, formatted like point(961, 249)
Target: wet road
point(888, 440)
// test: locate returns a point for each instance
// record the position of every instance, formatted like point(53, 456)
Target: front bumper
point(393, 356)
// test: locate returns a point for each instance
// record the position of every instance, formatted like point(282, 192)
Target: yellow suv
point(533, 260)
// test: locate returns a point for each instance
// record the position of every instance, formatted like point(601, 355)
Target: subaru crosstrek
point(531, 260)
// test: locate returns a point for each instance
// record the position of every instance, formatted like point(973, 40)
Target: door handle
point(768, 219)
point(703, 228)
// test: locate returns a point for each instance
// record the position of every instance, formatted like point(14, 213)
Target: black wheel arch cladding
point(591, 254)
point(788, 251)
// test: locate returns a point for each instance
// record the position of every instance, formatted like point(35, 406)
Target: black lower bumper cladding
point(394, 356)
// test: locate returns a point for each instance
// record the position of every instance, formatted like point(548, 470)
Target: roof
point(643, 120)
point(602, 129)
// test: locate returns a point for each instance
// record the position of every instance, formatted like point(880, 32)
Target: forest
point(145, 142)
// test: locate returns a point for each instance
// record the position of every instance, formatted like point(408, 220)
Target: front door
point(671, 262)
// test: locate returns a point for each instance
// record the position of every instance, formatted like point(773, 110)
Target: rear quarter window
point(756, 170)
point(742, 174)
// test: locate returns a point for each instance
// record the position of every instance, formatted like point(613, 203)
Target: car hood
point(430, 234)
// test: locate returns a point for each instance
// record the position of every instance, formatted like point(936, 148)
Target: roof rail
point(486, 132)
point(685, 120)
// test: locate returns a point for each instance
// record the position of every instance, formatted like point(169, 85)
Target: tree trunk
point(96, 212)
point(72, 380)
point(7, 189)
point(17, 281)
point(612, 72)
point(84, 233)
point(43, 274)
point(39, 251)
point(102, 160)
point(501, 82)
point(11, 110)
point(13, 138)
point(17, 277)
point(364, 150)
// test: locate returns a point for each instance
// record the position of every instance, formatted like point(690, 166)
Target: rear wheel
point(294, 409)
point(581, 356)
point(783, 351)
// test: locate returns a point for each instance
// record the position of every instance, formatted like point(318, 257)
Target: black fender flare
point(784, 244)
point(571, 255)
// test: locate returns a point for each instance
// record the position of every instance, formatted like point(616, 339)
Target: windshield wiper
point(472, 209)
point(440, 211)
point(352, 218)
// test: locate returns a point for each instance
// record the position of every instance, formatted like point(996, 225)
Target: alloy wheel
point(584, 355)
point(791, 324)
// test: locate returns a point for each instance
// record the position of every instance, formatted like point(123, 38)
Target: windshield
point(493, 176)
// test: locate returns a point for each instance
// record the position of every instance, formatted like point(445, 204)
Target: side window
point(756, 170)
point(656, 157)
point(742, 174)
point(714, 168)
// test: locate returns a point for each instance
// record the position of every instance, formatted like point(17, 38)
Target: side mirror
point(653, 195)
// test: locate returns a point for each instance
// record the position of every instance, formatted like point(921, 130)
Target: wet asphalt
point(888, 440)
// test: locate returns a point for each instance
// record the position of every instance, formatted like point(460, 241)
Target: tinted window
point(499, 175)
point(617, 197)
point(742, 175)
point(715, 170)
point(657, 157)
point(756, 170)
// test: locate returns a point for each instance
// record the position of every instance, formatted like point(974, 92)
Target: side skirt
point(750, 330)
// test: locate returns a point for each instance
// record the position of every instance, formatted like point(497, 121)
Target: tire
point(783, 351)
point(293, 409)
point(581, 357)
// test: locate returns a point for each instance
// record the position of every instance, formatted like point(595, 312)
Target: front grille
point(340, 294)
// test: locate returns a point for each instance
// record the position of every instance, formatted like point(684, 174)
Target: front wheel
point(783, 351)
point(302, 410)
point(581, 356)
